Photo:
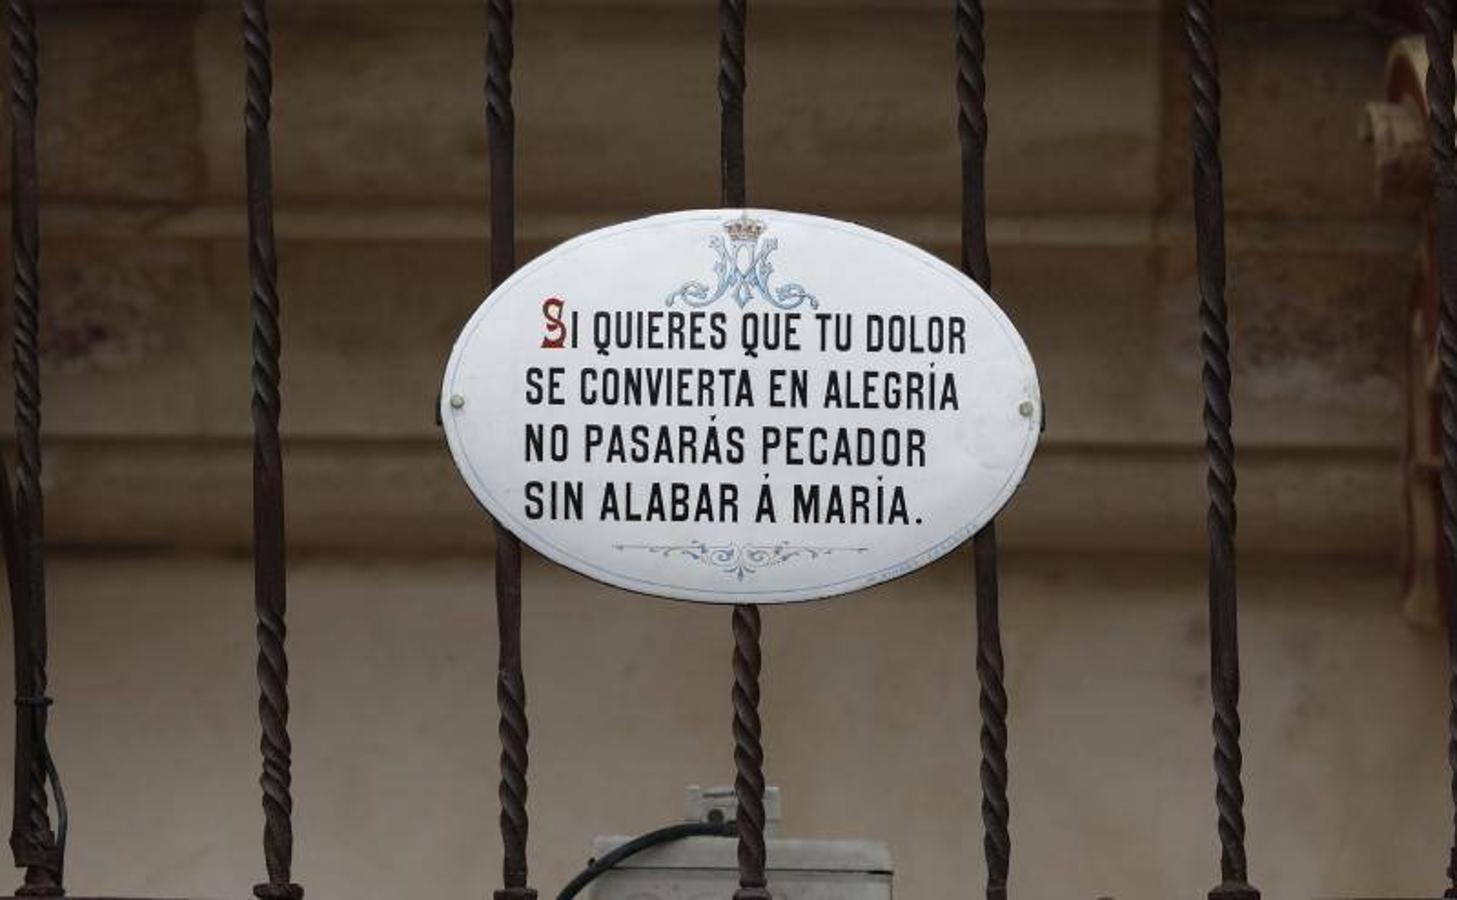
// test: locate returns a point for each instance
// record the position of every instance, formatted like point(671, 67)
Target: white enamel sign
point(741, 407)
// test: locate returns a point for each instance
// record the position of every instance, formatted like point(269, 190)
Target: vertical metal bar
point(749, 756)
point(976, 262)
point(991, 673)
point(747, 626)
point(1219, 447)
point(510, 680)
point(34, 845)
point(733, 18)
point(269, 573)
point(1441, 94)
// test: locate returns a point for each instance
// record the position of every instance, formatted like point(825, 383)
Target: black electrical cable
point(638, 844)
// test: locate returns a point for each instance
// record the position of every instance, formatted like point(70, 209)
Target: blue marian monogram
point(743, 271)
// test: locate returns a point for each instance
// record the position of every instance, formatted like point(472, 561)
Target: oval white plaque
point(749, 407)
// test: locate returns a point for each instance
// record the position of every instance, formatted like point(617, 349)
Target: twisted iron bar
point(510, 680)
point(976, 262)
point(732, 79)
point(748, 728)
point(1219, 448)
point(971, 122)
point(501, 136)
point(270, 597)
point(36, 848)
point(749, 755)
point(996, 809)
point(1441, 94)
point(513, 729)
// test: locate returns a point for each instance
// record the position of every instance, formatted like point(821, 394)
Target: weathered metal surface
point(269, 574)
point(976, 262)
point(1219, 446)
point(1441, 94)
point(510, 679)
point(39, 850)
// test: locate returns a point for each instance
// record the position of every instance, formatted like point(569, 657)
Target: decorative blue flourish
point(742, 270)
point(740, 560)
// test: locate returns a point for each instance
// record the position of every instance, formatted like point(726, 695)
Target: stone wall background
point(381, 186)
point(380, 165)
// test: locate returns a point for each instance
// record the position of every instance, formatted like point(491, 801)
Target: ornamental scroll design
point(741, 561)
point(743, 271)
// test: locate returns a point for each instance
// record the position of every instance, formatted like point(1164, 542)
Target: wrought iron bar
point(510, 680)
point(39, 850)
point(732, 34)
point(976, 262)
point(749, 755)
point(269, 572)
point(1219, 447)
point(748, 656)
point(991, 673)
point(1441, 94)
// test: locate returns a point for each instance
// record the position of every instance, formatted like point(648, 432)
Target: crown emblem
point(744, 229)
point(743, 271)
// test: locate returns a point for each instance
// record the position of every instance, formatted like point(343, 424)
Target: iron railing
point(39, 848)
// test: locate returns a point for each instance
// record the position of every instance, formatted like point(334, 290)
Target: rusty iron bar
point(1219, 447)
point(39, 850)
point(747, 626)
point(269, 572)
point(1441, 94)
point(510, 679)
point(976, 263)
